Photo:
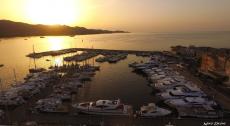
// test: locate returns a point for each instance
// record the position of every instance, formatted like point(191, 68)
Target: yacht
point(181, 92)
point(190, 101)
point(104, 107)
point(151, 110)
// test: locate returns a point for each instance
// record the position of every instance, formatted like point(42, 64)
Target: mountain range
point(19, 29)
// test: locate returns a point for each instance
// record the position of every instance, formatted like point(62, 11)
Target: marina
point(114, 63)
point(173, 95)
point(150, 85)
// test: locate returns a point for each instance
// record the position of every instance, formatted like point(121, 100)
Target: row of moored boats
point(176, 91)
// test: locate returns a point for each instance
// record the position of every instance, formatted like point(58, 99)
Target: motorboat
point(180, 92)
point(104, 107)
point(151, 110)
point(175, 94)
point(190, 101)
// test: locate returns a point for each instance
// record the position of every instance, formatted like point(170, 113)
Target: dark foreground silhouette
point(17, 29)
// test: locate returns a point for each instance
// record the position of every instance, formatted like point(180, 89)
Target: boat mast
point(35, 66)
point(93, 57)
point(6, 105)
point(15, 77)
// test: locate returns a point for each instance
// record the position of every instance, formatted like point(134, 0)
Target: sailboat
point(35, 69)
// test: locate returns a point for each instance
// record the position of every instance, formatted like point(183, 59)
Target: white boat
point(190, 101)
point(182, 91)
point(104, 107)
point(151, 110)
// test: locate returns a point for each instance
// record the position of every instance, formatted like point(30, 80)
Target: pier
point(100, 51)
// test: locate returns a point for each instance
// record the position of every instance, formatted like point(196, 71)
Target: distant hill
point(19, 29)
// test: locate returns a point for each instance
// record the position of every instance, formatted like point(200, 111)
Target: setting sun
point(53, 11)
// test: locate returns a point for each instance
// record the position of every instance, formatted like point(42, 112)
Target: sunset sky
point(130, 15)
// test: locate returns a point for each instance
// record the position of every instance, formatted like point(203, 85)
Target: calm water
point(13, 50)
point(115, 81)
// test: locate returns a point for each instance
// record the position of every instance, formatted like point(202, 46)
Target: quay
point(100, 51)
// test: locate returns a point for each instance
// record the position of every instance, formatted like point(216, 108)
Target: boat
point(151, 110)
point(101, 59)
point(114, 59)
point(104, 107)
point(1, 65)
point(181, 92)
point(36, 70)
point(133, 64)
point(190, 101)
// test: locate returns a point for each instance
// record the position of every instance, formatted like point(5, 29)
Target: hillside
point(17, 29)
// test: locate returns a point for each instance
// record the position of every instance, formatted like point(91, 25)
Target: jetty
point(99, 51)
point(81, 57)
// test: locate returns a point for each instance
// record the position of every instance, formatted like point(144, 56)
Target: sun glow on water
point(58, 61)
point(56, 43)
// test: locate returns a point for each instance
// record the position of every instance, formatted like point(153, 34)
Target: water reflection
point(58, 61)
point(56, 43)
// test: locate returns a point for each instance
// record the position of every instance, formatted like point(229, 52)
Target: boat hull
point(126, 112)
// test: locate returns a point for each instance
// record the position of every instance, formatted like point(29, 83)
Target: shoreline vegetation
point(19, 29)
